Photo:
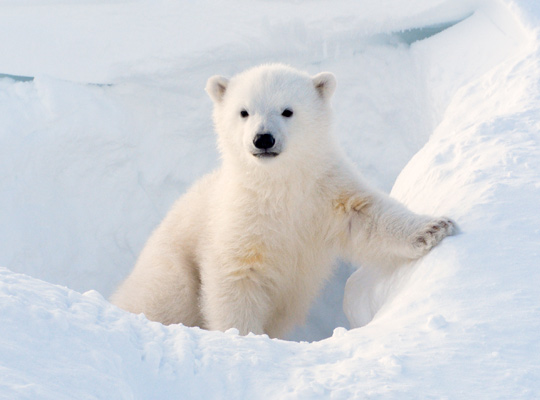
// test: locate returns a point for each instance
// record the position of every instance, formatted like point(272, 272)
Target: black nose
point(264, 141)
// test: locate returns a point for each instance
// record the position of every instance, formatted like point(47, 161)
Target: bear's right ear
point(216, 87)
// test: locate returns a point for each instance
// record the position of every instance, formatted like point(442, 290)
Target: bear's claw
point(432, 233)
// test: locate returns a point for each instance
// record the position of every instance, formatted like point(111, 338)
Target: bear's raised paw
point(432, 233)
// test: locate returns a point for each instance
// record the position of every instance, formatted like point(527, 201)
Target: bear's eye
point(287, 113)
point(244, 114)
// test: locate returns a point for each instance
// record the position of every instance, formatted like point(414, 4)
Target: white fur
point(250, 244)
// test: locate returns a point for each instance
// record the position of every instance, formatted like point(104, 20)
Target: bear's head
point(272, 114)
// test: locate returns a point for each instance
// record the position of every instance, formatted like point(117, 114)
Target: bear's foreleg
point(236, 300)
point(382, 231)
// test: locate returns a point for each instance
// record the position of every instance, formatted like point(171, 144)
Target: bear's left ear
point(325, 83)
point(216, 87)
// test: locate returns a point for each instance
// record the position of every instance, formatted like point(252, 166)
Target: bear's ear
point(216, 87)
point(325, 83)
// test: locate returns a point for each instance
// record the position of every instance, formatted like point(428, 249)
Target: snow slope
point(115, 126)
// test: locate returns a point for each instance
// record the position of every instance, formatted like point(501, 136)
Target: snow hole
point(98, 173)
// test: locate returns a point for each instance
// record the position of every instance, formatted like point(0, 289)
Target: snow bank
point(87, 170)
point(109, 41)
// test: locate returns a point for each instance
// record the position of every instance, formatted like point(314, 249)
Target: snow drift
point(112, 124)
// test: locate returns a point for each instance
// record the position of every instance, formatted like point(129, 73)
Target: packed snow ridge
point(445, 118)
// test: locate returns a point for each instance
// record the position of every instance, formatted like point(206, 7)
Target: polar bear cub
point(250, 244)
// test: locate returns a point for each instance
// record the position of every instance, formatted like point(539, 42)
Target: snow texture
point(105, 123)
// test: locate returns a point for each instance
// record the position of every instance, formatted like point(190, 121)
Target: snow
point(437, 101)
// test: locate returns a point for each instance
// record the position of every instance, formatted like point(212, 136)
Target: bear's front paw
point(431, 234)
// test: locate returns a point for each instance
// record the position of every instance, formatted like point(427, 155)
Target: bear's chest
point(273, 234)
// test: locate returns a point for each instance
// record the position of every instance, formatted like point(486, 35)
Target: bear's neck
point(277, 180)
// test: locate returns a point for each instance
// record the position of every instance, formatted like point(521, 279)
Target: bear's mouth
point(266, 154)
